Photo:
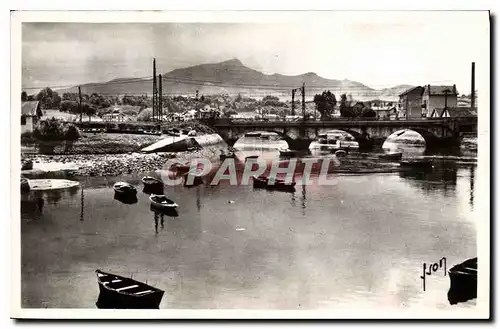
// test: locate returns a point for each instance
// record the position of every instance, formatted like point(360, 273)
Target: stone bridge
point(366, 132)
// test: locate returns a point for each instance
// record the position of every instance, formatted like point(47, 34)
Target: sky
point(378, 49)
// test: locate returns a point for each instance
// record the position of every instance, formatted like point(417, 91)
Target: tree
point(325, 103)
point(48, 98)
point(367, 112)
point(89, 109)
point(145, 115)
point(24, 96)
point(358, 109)
point(69, 106)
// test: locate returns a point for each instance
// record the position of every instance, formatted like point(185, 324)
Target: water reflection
point(126, 199)
point(81, 207)
point(442, 177)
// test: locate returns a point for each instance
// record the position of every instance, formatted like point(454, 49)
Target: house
point(118, 117)
point(385, 112)
point(410, 103)
point(30, 114)
point(438, 97)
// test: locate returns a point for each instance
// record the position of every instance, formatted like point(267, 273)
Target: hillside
point(232, 77)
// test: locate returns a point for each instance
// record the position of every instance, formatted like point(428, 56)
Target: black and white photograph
point(293, 164)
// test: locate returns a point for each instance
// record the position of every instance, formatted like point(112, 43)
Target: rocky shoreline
point(112, 164)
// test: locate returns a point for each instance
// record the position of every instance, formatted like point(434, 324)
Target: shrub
point(145, 115)
point(27, 137)
point(50, 130)
point(71, 132)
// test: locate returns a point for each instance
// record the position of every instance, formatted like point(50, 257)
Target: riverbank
point(111, 164)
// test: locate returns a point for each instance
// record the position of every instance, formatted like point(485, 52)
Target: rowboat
point(463, 281)
point(118, 292)
point(151, 181)
point(416, 163)
point(161, 201)
point(287, 152)
point(25, 186)
point(182, 168)
point(279, 184)
point(27, 165)
point(340, 153)
point(124, 188)
point(229, 155)
point(391, 156)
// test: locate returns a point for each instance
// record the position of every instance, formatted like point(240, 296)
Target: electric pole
point(304, 100)
point(473, 87)
point(293, 101)
point(160, 100)
point(80, 103)
point(155, 91)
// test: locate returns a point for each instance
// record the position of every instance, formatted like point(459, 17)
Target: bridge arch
point(358, 136)
point(428, 138)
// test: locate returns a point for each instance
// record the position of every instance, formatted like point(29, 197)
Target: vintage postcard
point(233, 164)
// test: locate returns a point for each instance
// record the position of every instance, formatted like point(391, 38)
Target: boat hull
point(394, 156)
point(463, 282)
point(110, 299)
point(117, 292)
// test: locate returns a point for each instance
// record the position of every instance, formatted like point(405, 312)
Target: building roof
point(440, 90)
point(417, 89)
point(29, 108)
point(456, 112)
point(438, 111)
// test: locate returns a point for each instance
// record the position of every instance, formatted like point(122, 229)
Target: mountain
point(233, 77)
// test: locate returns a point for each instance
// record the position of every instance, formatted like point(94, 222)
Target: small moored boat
point(151, 181)
point(340, 153)
point(252, 157)
point(416, 163)
point(27, 165)
point(182, 168)
point(287, 152)
point(463, 281)
point(25, 186)
point(124, 188)
point(263, 182)
point(161, 201)
point(391, 156)
point(118, 292)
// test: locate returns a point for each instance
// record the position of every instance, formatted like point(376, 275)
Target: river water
point(360, 242)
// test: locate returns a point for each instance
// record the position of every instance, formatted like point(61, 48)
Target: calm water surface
point(359, 242)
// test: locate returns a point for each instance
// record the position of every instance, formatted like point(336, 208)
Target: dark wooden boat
point(463, 281)
point(340, 153)
point(182, 168)
point(151, 181)
point(279, 184)
point(162, 202)
point(170, 212)
point(118, 292)
point(25, 186)
point(123, 188)
point(416, 163)
point(230, 155)
point(27, 165)
point(287, 152)
point(396, 156)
